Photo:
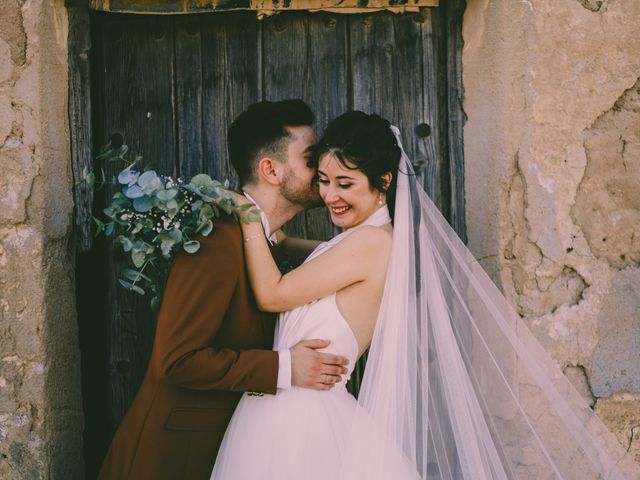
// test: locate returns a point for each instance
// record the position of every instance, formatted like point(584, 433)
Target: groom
point(212, 343)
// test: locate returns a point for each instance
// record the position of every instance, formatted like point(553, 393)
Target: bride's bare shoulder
point(370, 237)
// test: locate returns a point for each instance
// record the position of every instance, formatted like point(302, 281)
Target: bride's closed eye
point(324, 181)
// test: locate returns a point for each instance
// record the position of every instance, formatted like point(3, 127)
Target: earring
point(380, 201)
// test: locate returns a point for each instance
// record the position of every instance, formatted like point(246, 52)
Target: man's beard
point(293, 190)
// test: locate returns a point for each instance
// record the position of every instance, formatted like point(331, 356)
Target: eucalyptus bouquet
point(152, 216)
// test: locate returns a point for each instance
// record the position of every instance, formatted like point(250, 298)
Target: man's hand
point(315, 370)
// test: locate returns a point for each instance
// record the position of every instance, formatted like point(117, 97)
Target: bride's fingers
point(323, 386)
point(330, 379)
point(334, 370)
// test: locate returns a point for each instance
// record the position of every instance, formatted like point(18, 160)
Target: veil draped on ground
point(456, 379)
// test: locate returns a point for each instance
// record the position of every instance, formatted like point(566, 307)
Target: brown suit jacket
point(211, 344)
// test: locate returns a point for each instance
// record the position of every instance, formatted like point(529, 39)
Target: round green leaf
point(142, 204)
point(205, 228)
point(191, 246)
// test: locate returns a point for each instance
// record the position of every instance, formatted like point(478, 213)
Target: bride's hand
point(238, 198)
point(242, 208)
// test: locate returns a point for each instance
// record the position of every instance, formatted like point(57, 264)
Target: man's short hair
point(260, 131)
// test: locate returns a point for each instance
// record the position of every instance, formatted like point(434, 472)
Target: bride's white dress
point(308, 434)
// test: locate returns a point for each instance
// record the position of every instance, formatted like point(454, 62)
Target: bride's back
point(359, 303)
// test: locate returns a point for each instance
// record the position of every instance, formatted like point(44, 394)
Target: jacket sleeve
point(197, 295)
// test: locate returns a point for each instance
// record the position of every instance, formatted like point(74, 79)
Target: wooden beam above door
point(262, 7)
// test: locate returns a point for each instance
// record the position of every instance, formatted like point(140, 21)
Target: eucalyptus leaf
point(176, 235)
point(138, 258)
point(134, 191)
point(142, 204)
point(134, 275)
point(205, 228)
point(131, 286)
point(191, 246)
point(172, 205)
point(108, 229)
point(166, 246)
point(137, 227)
point(147, 177)
point(149, 181)
point(105, 151)
point(226, 208)
point(254, 216)
point(128, 177)
point(166, 195)
point(127, 245)
point(206, 212)
point(155, 303)
point(201, 180)
point(100, 226)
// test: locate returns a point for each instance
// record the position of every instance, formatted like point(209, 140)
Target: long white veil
point(455, 377)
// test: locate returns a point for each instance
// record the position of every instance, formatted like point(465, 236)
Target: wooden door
point(169, 87)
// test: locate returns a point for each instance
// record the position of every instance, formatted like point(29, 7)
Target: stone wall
point(552, 171)
point(40, 401)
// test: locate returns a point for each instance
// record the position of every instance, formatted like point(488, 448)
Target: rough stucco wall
point(552, 168)
point(40, 400)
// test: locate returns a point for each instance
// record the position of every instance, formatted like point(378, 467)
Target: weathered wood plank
point(326, 92)
point(80, 122)
point(231, 78)
point(386, 65)
point(188, 102)
point(285, 69)
point(309, 63)
point(137, 89)
point(456, 116)
point(433, 148)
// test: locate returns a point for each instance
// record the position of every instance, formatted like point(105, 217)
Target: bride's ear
point(386, 181)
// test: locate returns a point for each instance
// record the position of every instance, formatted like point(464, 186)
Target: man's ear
point(268, 170)
point(386, 180)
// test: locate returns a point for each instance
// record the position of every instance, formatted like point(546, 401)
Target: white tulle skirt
point(305, 434)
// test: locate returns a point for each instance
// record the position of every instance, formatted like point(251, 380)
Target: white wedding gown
point(306, 434)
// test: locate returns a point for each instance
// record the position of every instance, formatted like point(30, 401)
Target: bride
point(455, 386)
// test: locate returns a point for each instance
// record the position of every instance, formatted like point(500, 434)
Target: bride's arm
point(351, 261)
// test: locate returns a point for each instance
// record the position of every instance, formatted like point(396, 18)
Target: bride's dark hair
point(366, 143)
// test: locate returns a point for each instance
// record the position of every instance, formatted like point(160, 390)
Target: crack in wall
point(542, 285)
point(632, 436)
point(578, 376)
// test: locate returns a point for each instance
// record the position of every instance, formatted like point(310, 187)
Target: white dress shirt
point(284, 356)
